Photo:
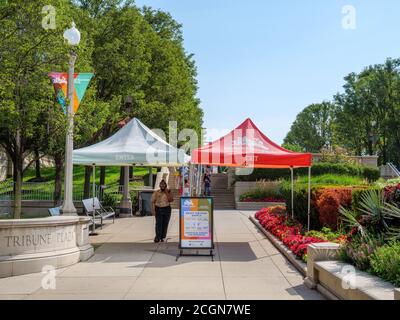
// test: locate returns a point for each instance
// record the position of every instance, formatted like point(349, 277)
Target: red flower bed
point(275, 222)
point(269, 199)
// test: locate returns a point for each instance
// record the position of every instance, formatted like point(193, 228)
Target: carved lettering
point(39, 239)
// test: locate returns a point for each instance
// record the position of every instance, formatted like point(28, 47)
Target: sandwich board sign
point(196, 224)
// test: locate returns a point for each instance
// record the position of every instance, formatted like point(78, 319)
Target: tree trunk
point(102, 176)
point(86, 186)
point(59, 161)
point(17, 175)
point(9, 166)
point(37, 163)
point(102, 182)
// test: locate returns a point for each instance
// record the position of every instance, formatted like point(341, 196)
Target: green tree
point(312, 129)
point(27, 53)
point(367, 115)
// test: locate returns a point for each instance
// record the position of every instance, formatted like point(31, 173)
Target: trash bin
point(145, 202)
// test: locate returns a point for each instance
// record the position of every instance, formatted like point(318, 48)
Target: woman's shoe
point(156, 240)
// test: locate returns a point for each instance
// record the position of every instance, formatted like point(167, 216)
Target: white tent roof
point(135, 144)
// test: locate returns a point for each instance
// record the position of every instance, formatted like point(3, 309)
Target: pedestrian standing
point(207, 184)
point(161, 209)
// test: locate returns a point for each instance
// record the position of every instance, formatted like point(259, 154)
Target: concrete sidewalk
point(128, 265)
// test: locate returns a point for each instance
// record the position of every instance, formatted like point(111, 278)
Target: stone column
point(324, 251)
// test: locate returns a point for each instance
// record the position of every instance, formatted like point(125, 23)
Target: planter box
point(256, 206)
point(349, 283)
point(339, 280)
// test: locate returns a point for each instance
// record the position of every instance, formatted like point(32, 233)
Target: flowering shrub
point(358, 250)
point(274, 220)
point(267, 199)
point(392, 193)
point(329, 203)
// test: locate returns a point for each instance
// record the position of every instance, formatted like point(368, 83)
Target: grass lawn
point(45, 190)
point(333, 180)
point(112, 174)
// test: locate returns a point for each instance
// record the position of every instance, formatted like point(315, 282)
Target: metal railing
point(394, 169)
point(40, 191)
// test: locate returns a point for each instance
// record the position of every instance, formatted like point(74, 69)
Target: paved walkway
point(128, 265)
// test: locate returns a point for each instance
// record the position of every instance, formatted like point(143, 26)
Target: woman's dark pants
point(163, 215)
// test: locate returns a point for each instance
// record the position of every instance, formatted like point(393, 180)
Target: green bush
point(385, 262)
point(326, 234)
point(111, 199)
point(318, 169)
point(371, 174)
point(318, 184)
point(300, 202)
point(358, 250)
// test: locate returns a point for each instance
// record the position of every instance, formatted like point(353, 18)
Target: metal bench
point(55, 212)
point(94, 210)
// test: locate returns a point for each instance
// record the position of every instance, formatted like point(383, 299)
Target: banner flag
point(60, 83)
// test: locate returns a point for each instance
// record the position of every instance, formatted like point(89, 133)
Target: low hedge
point(318, 169)
point(325, 203)
point(300, 197)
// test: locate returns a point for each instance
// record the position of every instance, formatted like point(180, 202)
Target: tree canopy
point(364, 118)
point(136, 52)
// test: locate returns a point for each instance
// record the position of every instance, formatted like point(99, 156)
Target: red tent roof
point(247, 146)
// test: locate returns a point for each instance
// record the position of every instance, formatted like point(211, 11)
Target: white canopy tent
point(133, 145)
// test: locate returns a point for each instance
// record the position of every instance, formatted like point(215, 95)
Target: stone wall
point(371, 161)
point(28, 245)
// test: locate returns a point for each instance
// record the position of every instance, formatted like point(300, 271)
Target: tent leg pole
point(292, 199)
point(94, 195)
point(183, 180)
point(151, 177)
point(190, 179)
point(196, 180)
point(200, 175)
point(309, 198)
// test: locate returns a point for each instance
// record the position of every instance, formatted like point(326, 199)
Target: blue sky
point(268, 59)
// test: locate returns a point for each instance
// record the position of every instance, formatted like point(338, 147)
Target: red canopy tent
point(247, 147)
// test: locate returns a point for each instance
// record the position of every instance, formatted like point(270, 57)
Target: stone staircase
point(389, 171)
point(224, 198)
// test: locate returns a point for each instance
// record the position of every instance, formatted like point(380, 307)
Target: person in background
point(207, 184)
point(186, 189)
point(161, 209)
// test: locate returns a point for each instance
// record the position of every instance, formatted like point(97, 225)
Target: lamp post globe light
point(73, 37)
